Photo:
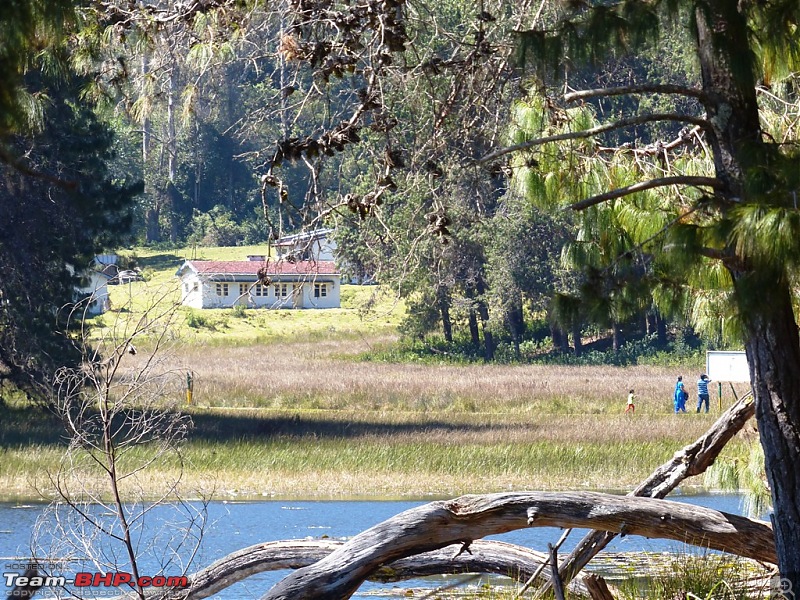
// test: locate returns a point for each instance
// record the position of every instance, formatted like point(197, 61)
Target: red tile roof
point(254, 267)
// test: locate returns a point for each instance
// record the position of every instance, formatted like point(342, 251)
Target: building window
point(320, 290)
point(186, 287)
point(222, 289)
point(260, 290)
point(195, 287)
point(281, 290)
point(243, 289)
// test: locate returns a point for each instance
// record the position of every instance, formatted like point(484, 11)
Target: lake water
point(231, 526)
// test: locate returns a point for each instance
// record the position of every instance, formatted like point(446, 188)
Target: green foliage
point(421, 318)
point(196, 319)
point(217, 227)
point(743, 473)
point(70, 210)
point(27, 27)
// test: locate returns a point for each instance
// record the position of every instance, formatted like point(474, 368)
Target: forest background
point(224, 118)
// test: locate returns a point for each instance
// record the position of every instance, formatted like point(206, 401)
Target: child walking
point(631, 408)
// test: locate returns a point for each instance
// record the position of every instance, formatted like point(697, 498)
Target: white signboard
point(727, 366)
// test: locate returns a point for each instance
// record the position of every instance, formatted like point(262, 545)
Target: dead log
point(598, 588)
point(439, 524)
point(555, 579)
point(692, 460)
point(484, 556)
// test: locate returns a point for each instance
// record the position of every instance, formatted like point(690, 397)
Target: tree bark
point(443, 300)
point(464, 519)
point(616, 337)
point(483, 311)
point(577, 342)
point(763, 294)
point(516, 322)
point(692, 460)
point(598, 588)
point(773, 353)
point(484, 556)
point(472, 317)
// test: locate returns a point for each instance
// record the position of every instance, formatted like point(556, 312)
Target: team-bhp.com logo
point(94, 580)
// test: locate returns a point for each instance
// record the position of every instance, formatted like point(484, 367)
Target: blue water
point(230, 526)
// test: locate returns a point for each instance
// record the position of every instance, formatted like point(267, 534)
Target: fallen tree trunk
point(692, 460)
point(464, 519)
point(484, 556)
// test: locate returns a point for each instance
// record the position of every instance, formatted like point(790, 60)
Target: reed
point(303, 419)
point(252, 453)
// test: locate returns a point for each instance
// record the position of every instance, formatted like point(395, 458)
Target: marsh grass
point(315, 374)
point(354, 452)
point(300, 420)
point(707, 576)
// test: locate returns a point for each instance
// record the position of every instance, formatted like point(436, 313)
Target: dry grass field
point(307, 419)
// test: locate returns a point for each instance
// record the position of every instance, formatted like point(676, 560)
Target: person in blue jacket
point(680, 395)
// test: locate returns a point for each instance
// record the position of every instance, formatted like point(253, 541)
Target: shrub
point(196, 320)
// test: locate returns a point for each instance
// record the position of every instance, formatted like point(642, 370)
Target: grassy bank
point(306, 420)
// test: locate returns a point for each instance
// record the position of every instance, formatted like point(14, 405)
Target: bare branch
point(592, 131)
point(463, 519)
point(637, 89)
point(647, 185)
point(18, 165)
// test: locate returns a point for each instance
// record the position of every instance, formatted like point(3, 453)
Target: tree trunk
point(762, 291)
point(152, 221)
point(773, 353)
point(483, 311)
point(464, 519)
point(661, 329)
point(616, 337)
point(474, 334)
point(172, 154)
point(472, 317)
point(576, 338)
point(443, 300)
point(516, 323)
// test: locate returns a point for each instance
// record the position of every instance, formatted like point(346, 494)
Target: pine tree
point(741, 214)
point(59, 202)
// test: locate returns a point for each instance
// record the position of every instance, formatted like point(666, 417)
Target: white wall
point(201, 294)
point(192, 290)
point(97, 288)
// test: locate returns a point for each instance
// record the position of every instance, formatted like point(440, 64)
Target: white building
point(92, 295)
point(259, 283)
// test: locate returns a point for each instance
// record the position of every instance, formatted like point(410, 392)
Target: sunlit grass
point(327, 453)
